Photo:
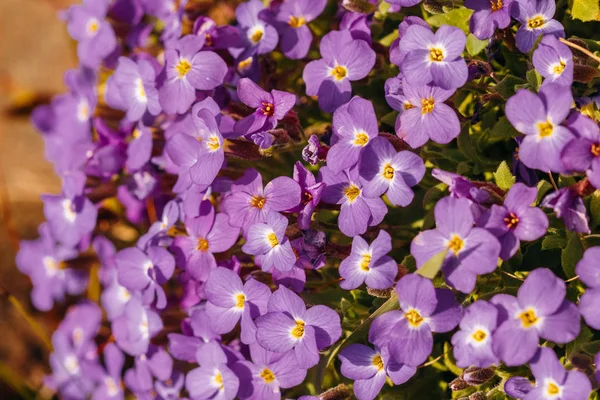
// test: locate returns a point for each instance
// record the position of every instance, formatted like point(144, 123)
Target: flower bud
point(474, 376)
point(340, 392)
point(478, 396)
point(458, 384)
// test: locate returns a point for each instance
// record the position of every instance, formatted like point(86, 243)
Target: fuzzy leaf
point(474, 45)
point(458, 17)
point(571, 254)
point(586, 10)
point(433, 265)
point(504, 177)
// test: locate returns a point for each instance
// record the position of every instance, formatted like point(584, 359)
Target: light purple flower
point(134, 329)
point(229, 300)
point(539, 310)
point(344, 59)
point(369, 368)
point(357, 211)
point(397, 54)
point(407, 333)
point(109, 383)
point(489, 15)
point(568, 205)
point(554, 61)
point(267, 240)
point(473, 342)
point(539, 118)
point(518, 387)
point(359, 25)
point(354, 125)
point(384, 170)
point(470, 251)
point(289, 325)
point(434, 58)
point(588, 270)
point(311, 194)
point(582, 154)
point(213, 379)
point(516, 220)
point(69, 219)
point(369, 264)
point(139, 149)
point(536, 19)
point(261, 37)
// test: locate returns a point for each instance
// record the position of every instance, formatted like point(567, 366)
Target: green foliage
point(586, 10)
point(504, 177)
point(571, 254)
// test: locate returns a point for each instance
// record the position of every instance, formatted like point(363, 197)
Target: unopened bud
point(381, 293)
point(340, 392)
point(458, 384)
point(474, 376)
point(478, 396)
point(360, 6)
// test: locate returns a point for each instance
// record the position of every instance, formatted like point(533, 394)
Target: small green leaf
point(504, 177)
point(458, 17)
point(474, 45)
point(534, 79)
point(433, 265)
point(571, 254)
point(389, 39)
point(595, 207)
point(554, 242)
point(506, 87)
point(586, 10)
point(543, 187)
point(504, 130)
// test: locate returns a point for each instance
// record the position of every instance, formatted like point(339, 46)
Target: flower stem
point(581, 49)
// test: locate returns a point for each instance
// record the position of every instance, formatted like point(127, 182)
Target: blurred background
point(35, 51)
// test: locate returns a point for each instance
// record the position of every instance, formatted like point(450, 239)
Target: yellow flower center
point(536, 22)
point(436, 55)
point(528, 318)
point(267, 375)
point(479, 336)
point(256, 36)
point(511, 221)
point(240, 300)
point(298, 330)
point(427, 105)
point(366, 261)
point(456, 244)
point(352, 192)
point(496, 4)
point(408, 106)
point(141, 92)
point(296, 22)
point(388, 172)
point(545, 128)
point(202, 245)
point(92, 26)
point(552, 389)
point(339, 72)
point(559, 68)
point(378, 362)
point(361, 139)
point(595, 150)
point(257, 201)
point(183, 67)
point(414, 318)
point(213, 143)
point(268, 109)
point(244, 64)
point(272, 238)
point(219, 380)
point(208, 40)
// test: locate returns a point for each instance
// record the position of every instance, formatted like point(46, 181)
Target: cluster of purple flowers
point(176, 190)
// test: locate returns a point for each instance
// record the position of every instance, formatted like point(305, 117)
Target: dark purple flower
point(489, 15)
point(536, 19)
point(554, 61)
point(518, 387)
point(218, 37)
point(588, 270)
point(359, 25)
point(313, 152)
point(583, 152)
point(473, 342)
point(568, 205)
point(311, 194)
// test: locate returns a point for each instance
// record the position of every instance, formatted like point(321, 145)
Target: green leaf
point(504, 177)
point(571, 254)
point(506, 87)
point(389, 39)
point(553, 242)
point(534, 79)
point(433, 265)
point(586, 10)
point(474, 45)
point(458, 17)
point(504, 130)
point(543, 187)
point(585, 336)
point(595, 207)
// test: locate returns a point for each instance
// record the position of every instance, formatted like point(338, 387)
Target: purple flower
point(311, 194)
point(249, 203)
point(262, 378)
point(134, 329)
point(268, 240)
point(261, 37)
point(518, 387)
point(291, 22)
point(154, 363)
point(109, 383)
point(145, 272)
point(139, 149)
point(187, 69)
point(425, 116)
point(539, 310)
point(469, 251)
point(357, 211)
point(407, 333)
point(289, 325)
point(473, 342)
point(369, 368)
point(270, 107)
point(588, 270)
point(354, 125)
point(313, 151)
point(434, 58)
point(359, 25)
point(539, 118)
point(157, 233)
point(554, 61)
point(344, 59)
point(386, 171)
point(95, 36)
point(69, 219)
point(229, 300)
point(583, 152)
point(213, 379)
point(536, 19)
point(397, 54)
point(132, 88)
point(489, 15)
point(516, 220)
point(369, 264)
point(568, 205)
point(197, 331)
point(218, 37)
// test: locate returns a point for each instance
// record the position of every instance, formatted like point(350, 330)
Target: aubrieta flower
point(311, 194)
point(369, 264)
point(213, 379)
point(134, 329)
point(197, 332)
point(344, 59)
point(536, 19)
point(554, 61)
point(261, 37)
point(539, 310)
point(218, 37)
point(568, 206)
point(588, 270)
point(268, 372)
point(359, 25)
point(267, 240)
point(314, 151)
point(384, 170)
point(187, 69)
point(146, 272)
point(139, 149)
point(489, 15)
point(70, 219)
point(434, 58)
point(357, 212)
point(473, 342)
point(270, 107)
point(369, 368)
point(583, 152)
point(229, 301)
point(288, 325)
point(109, 382)
point(539, 117)
point(95, 36)
point(470, 251)
point(516, 220)
point(407, 333)
point(354, 125)
point(249, 203)
point(396, 53)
